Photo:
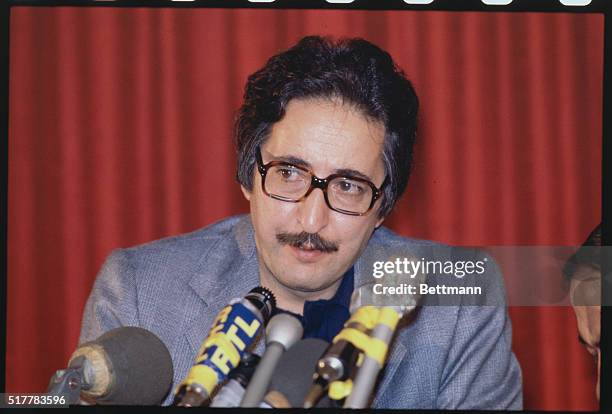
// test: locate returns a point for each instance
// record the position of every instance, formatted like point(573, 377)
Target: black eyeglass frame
point(316, 182)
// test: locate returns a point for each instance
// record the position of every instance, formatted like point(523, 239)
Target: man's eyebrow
point(352, 173)
point(290, 159)
point(299, 162)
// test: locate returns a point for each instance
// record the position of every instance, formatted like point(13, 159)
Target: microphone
point(232, 392)
point(282, 332)
point(234, 330)
point(293, 375)
point(126, 365)
point(340, 360)
point(374, 358)
point(378, 344)
point(341, 356)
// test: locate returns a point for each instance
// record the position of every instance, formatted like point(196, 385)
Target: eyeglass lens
point(291, 183)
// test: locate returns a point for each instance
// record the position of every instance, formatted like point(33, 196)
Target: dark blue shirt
point(324, 318)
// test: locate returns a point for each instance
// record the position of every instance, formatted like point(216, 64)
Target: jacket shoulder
point(386, 236)
point(184, 248)
point(217, 230)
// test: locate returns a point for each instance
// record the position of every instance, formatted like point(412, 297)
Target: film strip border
point(450, 5)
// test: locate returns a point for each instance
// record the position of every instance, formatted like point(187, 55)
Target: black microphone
point(238, 379)
point(234, 330)
point(293, 375)
point(125, 366)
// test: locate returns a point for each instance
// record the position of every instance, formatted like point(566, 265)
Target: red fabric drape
point(120, 133)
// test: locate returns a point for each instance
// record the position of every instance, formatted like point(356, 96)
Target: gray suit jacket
point(449, 357)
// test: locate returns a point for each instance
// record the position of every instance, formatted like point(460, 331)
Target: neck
point(292, 300)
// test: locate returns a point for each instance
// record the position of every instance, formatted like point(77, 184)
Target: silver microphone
point(282, 332)
point(389, 316)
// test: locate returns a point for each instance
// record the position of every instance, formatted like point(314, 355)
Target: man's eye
point(349, 187)
point(288, 174)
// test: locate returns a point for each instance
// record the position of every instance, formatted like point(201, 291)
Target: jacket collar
point(228, 267)
point(228, 270)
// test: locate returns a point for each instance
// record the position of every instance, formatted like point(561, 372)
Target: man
point(583, 271)
point(324, 139)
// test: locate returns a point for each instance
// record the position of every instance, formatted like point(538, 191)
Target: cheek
point(270, 216)
point(353, 231)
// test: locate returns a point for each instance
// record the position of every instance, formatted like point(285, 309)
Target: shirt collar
point(324, 318)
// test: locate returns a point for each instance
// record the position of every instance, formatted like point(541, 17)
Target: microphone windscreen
point(284, 329)
point(140, 366)
point(292, 378)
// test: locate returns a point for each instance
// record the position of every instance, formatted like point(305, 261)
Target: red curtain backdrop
point(120, 133)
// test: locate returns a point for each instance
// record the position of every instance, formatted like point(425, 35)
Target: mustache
point(312, 240)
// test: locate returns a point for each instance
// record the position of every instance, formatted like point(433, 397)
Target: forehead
point(329, 135)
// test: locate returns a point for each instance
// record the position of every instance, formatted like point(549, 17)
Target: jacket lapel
point(228, 270)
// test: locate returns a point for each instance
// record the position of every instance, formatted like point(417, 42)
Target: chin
point(305, 284)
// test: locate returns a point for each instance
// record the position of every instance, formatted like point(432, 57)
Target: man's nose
point(313, 212)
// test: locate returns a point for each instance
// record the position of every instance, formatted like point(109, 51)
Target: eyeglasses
point(345, 194)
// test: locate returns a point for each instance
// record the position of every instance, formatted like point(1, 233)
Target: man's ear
point(246, 193)
point(380, 222)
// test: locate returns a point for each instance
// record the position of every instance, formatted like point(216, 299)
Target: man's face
point(585, 293)
point(326, 137)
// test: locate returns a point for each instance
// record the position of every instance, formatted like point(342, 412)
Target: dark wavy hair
point(589, 254)
point(354, 70)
